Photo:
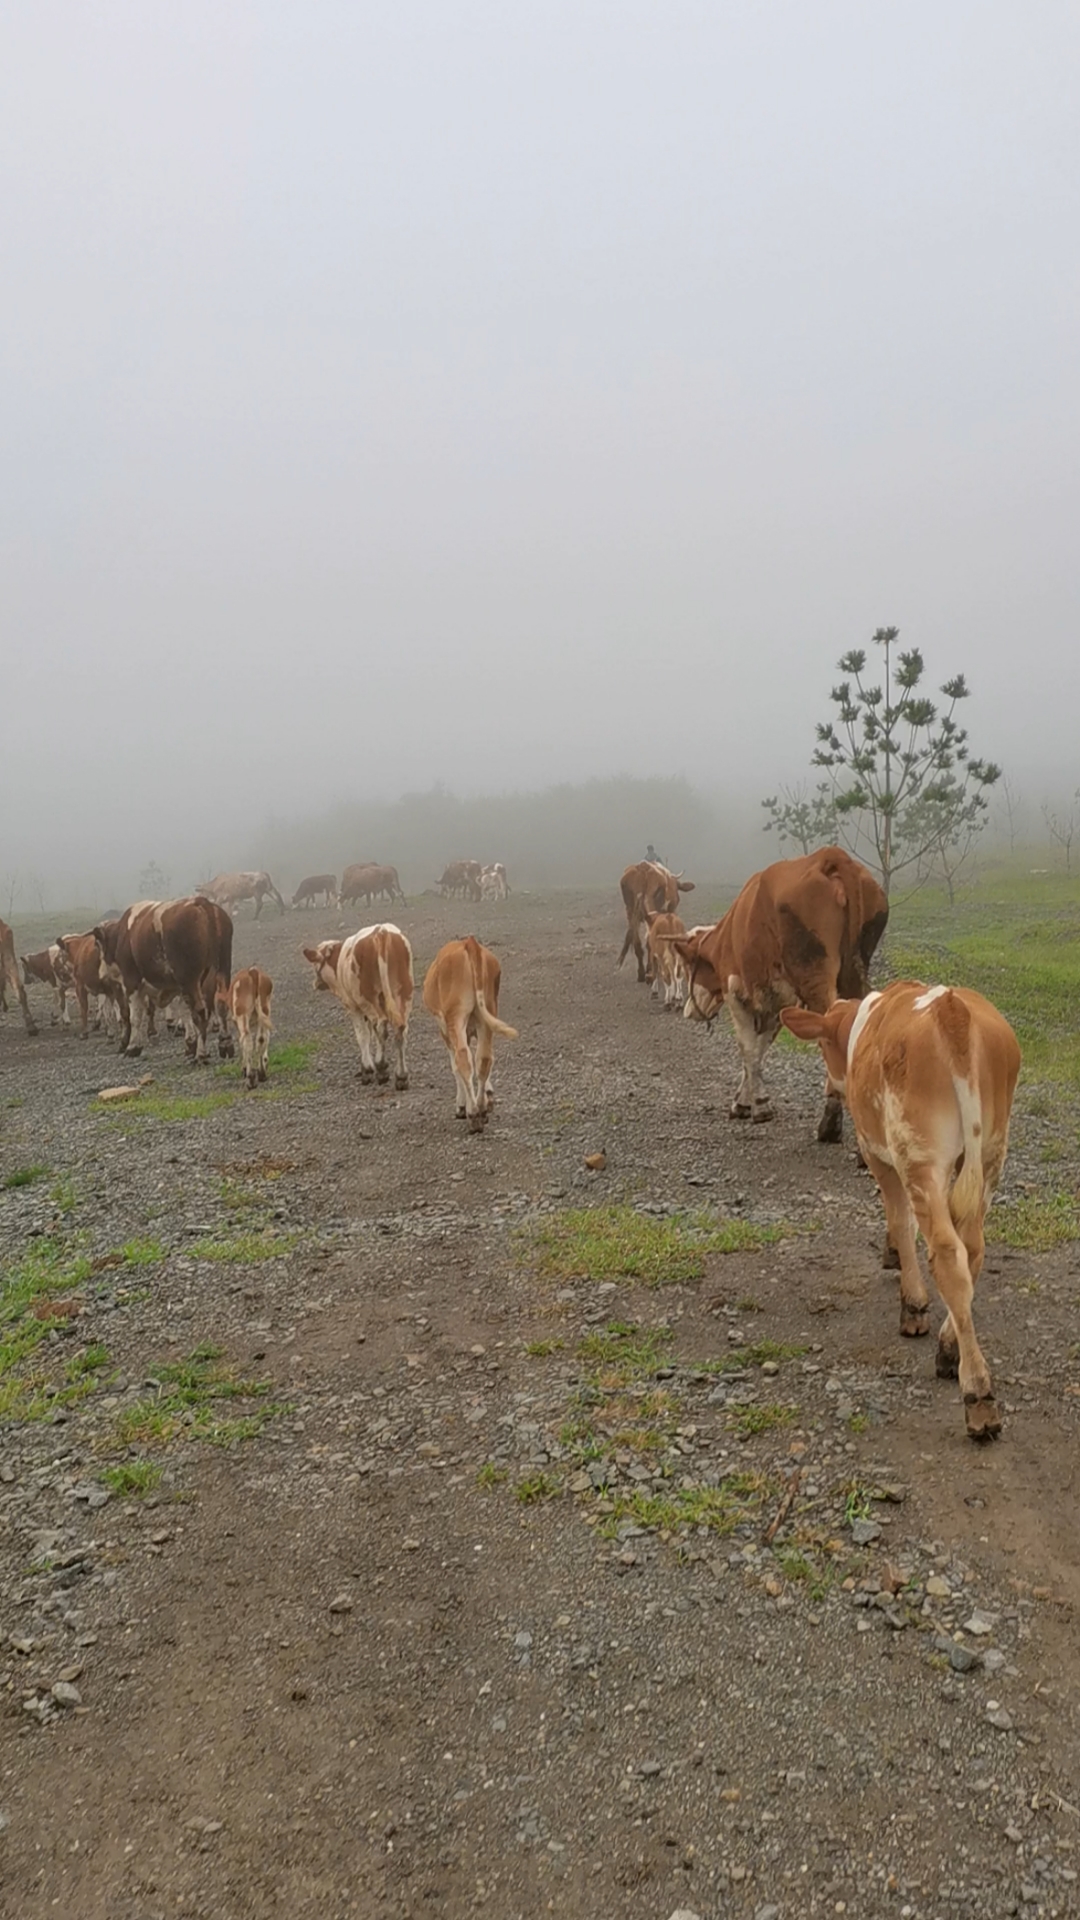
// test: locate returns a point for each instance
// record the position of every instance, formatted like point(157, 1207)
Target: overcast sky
point(502, 393)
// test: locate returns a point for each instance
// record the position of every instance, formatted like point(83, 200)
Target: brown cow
point(368, 882)
point(49, 968)
point(371, 974)
point(929, 1075)
point(646, 888)
point(324, 883)
point(159, 949)
point(666, 966)
point(462, 877)
point(10, 981)
point(461, 989)
point(801, 933)
point(250, 994)
point(83, 956)
point(229, 889)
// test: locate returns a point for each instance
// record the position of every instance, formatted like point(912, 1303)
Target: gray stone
point(343, 1603)
point(979, 1623)
point(66, 1695)
point(864, 1531)
point(523, 1640)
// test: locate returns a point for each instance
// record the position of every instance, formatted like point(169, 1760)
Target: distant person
point(651, 854)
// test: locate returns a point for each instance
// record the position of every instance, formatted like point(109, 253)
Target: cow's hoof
point(367, 1076)
point(914, 1321)
point(739, 1112)
point(890, 1259)
point(131, 1052)
point(982, 1416)
point(831, 1129)
point(401, 1081)
point(947, 1362)
point(762, 1114)
point(82, 1036)
point(33, 1032)
point(382, 1075)
point(263, 1075)
point(460, 1113)
point(477, 1122)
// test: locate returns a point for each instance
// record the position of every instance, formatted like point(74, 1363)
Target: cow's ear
point(802, 1023)
point(686, 886)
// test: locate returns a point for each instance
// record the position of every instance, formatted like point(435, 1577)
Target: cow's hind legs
point(952, 1265)
point(363, 1040)
point(755, 1034)
point(900, 1230)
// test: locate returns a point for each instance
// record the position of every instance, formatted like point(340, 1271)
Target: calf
point(9, 977)
point(50, 969)
point(928, 1074)
point(316, 883)
point(89, 980)
point(249, 1003)
point(647, 888)
point(371, 974)
point(494, 884)
point(666, 966)
point(461, 989)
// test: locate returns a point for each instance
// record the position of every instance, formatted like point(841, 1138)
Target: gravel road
point(459, 1584)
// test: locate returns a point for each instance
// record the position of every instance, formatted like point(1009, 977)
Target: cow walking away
point(461, 990)
point(646, 888)
point(229, 889)
point(494, 884)
point(666, 966)
point(250, 993)
point(929, 1075)
point(159, 949)
point(801, 933)
point(316, 883)
point(371, 974)
point(368, 882)
point(10, 980)
point(49, 968)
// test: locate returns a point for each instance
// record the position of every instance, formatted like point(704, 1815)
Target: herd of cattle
point(927, 1074)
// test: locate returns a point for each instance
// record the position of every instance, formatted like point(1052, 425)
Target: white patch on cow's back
point(859, 1022)
point(927, 999)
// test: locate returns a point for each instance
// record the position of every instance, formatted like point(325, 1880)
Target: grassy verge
point(190, 1398)
point(39, 1294)
point(289, 1065)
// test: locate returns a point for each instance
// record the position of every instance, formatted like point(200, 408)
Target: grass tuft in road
point(618, 1243)
point(187, 1399)
point(1035, 1222)
point(133, 1478)
point(23, 1177)
point(245, 1249)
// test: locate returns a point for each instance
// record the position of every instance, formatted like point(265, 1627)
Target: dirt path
point(440, 1637)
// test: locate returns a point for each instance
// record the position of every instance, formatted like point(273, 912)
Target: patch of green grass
point(617, 1243)
point(91, 1360)
point(168, 1107)
point(857, 1423)
point(740, 1497)
point(623, 1351)
point(1035, 1222)
point(23, 1177)
point(142, 1252)
point(293, 1056)
point(540, 1349)
point(777, 1350)
point(64, 1195)
point(47, 1268)
point(740, 1358)
point(246, 1249)
point(536, 1486)
point(750, 1305)
point(133, 1478)
point(858, 1501)
point(492, 1476)
point(751, 1420)
point(186, 1399)
point(793, 1565)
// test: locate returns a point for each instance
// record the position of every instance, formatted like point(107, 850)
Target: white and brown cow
point(461, 989)
point(646, 888)
point(250, 993)
point(10, 980)
point(49, 968)
point(159, 949)
point(493, 882)
point(229, 889)
point(666, 966)
point(801, 933)
point(461, 879)
point(371, 974)
point(928, 1074)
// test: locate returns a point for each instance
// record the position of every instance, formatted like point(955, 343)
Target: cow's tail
point(489, 1020)
point(395, 1014)
point(966, 1198)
